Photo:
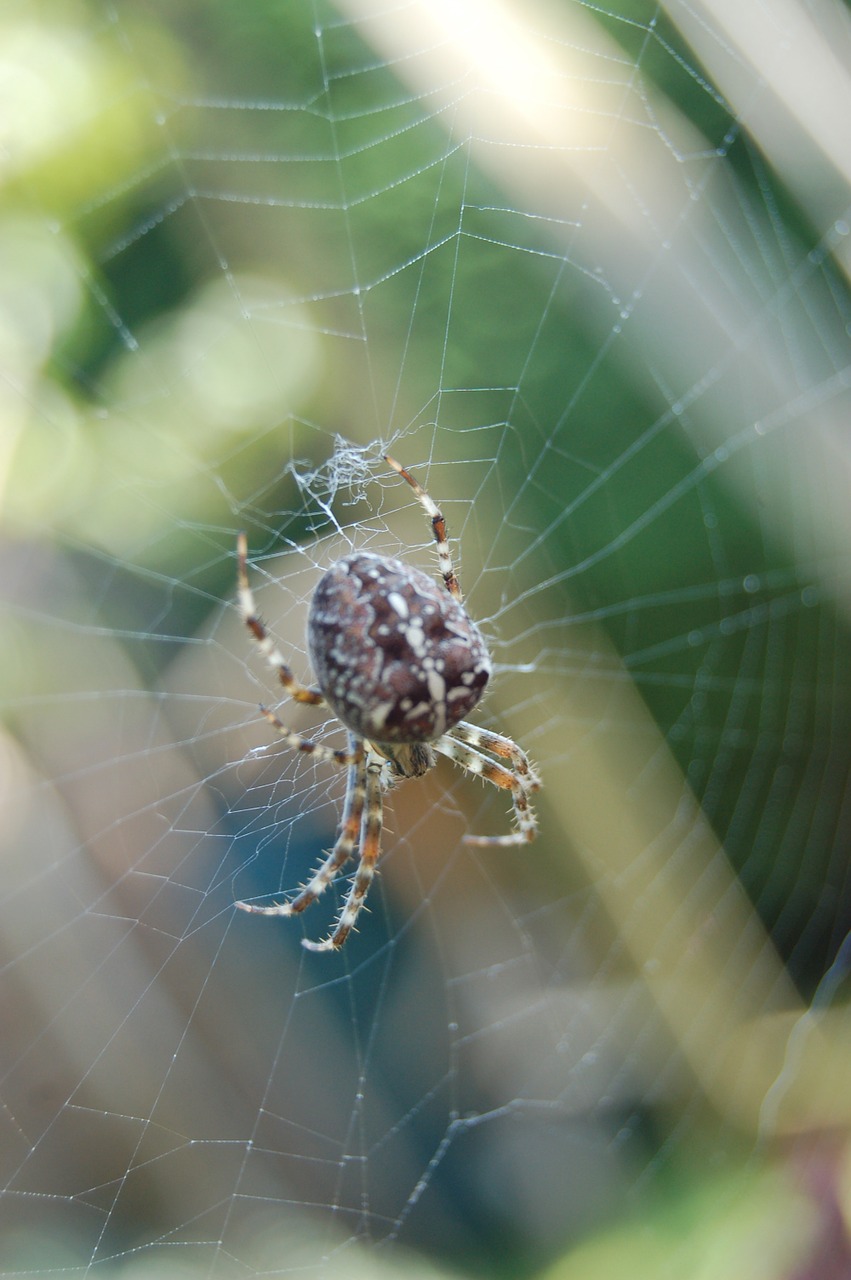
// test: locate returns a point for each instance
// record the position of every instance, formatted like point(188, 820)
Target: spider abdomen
point(395, 655)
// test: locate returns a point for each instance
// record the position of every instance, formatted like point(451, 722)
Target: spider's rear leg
point(438, 526)
point(265, 642)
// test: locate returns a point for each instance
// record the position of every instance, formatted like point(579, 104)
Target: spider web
point(584, 271)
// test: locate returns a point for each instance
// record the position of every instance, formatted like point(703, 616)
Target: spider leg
point(370, 849)
point(316, 749)
point(498, 745)
point(438, 525)
point(338, 857)
point(476, 762)
point(265, 642)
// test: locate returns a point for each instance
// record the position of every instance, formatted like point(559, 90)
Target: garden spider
point(399, 663)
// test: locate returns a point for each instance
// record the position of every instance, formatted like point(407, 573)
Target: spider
point(399, 662)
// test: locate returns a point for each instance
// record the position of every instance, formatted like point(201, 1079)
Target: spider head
point(407, 760)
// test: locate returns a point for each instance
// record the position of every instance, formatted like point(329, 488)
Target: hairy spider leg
point(476, 762)
point(328, 755)
point(344, 848)
point(499, 745)
point(370, 850)
point(265, 642)
point(438, 525)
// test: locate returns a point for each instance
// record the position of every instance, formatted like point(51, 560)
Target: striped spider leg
point(361, 822)
point(265, 642)
point(438, 527)
point(370, 847)
point(520, 779)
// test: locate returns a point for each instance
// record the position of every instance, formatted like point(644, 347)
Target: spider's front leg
point(345, 846)
point(265, 642)
point(518, 783)
point(370, 849)
point(498, 745)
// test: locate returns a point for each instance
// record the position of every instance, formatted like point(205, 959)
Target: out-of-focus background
point(585, 271)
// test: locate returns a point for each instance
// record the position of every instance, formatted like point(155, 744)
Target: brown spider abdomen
point(395, 654)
